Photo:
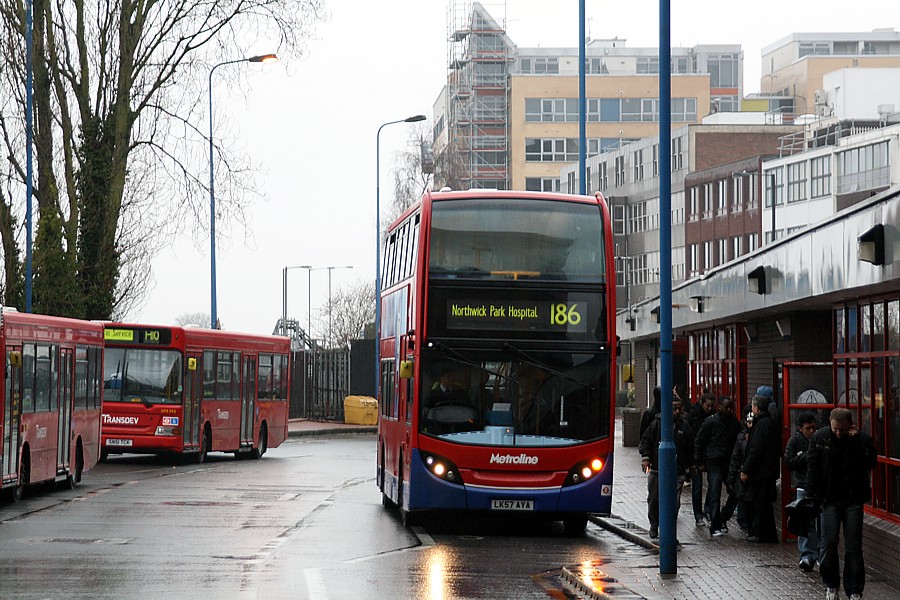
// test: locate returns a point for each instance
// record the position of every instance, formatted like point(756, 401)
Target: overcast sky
point(312, 126)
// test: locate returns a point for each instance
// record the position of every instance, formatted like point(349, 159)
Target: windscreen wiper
point(469, 362)
point(530, 360)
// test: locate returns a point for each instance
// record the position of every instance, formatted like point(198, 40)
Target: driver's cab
point(452, 401)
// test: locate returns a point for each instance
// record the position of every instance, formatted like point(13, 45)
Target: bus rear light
point(168, 430)
point(583, 471)
point(441, 467)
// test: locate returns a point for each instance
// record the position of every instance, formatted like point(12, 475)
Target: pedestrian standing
point(649, 448)
point(737, 497)
point(704, 409)
point(760, 472)
point(712, 453)
point(796, 455)
point(837, 478)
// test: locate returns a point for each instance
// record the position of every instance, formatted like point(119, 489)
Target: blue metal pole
point(29, 136)
point(668, 556)
point(582, 102)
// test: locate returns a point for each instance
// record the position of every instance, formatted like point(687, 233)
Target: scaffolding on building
point(478, 58)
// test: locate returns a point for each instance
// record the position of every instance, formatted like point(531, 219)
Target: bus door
point(11, 412)
point(190, 416)
point(248, 398)
point(64, 439)
point(806, 386)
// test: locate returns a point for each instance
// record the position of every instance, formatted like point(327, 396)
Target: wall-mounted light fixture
point(870, 245)
point(696, 303)
point(756, 280)
point(654, 314)
point(750, 332)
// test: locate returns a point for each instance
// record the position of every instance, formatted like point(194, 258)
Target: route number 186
point(564, 314)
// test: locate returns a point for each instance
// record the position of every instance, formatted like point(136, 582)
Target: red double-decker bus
point(187, 390)
point(497, 350)
point(50, 399)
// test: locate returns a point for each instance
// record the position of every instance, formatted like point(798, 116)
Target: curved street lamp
point(262, 58)
point(413, 119)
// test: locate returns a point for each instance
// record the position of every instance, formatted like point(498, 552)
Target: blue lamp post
point(412, 119)
point(263, 58)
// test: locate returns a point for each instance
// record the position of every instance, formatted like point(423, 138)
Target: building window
point(708, 200)
point(637, 164)
point(546, 65)
point(603, 177)
point(721, 251)
point(620, 171)
point(774, 184)
point(864, 168)
point(647, 64)
point(735, 247)
point(723, 70)
point(796, 183)
point(752, 242)
point(707, 255)
point(684, 110)
point(542, 184)
point(820, 176)
point(737, 193)
point(694, 207)
point(725, 103)
point(655, 160)
point(677, 153)
point(695, 261)
point(722, 192)
point(619, 211)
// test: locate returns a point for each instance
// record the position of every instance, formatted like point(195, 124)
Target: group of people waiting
point(830, 464)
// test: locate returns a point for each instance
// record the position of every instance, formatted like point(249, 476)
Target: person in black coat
point(683, 439)
point(795, 457)
point(760, 471)
point(698, 413)
point(837, 478)
point(712, 452)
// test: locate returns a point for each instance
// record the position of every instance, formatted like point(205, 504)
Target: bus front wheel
point(575, 525)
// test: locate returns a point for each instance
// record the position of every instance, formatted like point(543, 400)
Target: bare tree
point(410, 180)
point(351, 310)
point(195, 318)
point(120, 152)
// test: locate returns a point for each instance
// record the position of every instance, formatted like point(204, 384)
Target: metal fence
point(320, 380)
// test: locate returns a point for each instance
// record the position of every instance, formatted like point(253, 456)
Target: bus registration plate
point(118, 442)
point(499, 504)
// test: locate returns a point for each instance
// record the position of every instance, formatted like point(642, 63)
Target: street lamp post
point(412, 119)
point(262, 58)
point(330, 269)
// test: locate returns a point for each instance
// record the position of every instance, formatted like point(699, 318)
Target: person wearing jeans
point(837, 478)
point(796, 454)
point(712, 453)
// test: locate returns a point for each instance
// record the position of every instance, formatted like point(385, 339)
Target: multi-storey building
point(795, 65)
point(715, 216)
point(508, 116)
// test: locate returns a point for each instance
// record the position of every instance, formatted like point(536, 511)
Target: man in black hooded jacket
point(760, 471)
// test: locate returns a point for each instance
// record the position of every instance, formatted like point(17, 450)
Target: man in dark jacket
point(649, 449)
point(712, 453)
point(760, 472)
point(837, 477)
point(698, 413)
point(795, 457)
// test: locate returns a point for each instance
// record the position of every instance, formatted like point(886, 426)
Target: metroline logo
point(509, 459)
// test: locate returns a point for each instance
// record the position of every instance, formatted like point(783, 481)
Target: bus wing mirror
point(406, 369)
point(192, 364)
point(618, 346)
point(15, 359)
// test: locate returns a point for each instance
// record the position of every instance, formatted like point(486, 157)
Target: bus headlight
point(441, 467)
point(584, 470)
point(168, 430)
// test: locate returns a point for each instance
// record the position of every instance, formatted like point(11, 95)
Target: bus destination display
point(523, 315)
point(137, 335)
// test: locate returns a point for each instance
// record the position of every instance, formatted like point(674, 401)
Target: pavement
point(707, 568)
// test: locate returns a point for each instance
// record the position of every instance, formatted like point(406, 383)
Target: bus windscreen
point(514, 397)
point(149, 376)
point(509, 239)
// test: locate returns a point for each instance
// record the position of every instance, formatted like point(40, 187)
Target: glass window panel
point(839, 330)
point(893, 324)
point(878, 407)
point(878, 327)
point(852, 325)
point(865, 327)
point(892, 402)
